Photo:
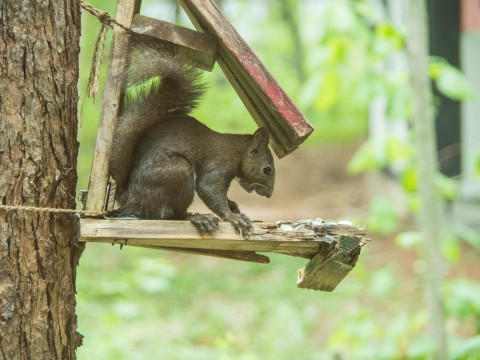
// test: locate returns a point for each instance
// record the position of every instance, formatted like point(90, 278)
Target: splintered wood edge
point(330, 266)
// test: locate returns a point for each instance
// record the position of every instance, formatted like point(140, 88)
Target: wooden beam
point(183, 235)
point(99, 173)
point(249, 256)
point(333, 249)
point(266, 101)
point(196, 48)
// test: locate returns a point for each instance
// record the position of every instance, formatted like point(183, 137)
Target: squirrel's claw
point(241, 223)
point(205, 223)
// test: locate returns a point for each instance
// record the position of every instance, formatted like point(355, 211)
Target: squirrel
point(161, 155)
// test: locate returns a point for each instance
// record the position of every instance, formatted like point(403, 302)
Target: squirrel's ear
point(260, 140)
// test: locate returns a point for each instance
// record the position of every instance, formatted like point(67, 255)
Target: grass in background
point(143, 304)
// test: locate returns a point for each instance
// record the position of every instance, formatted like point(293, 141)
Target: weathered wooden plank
point(249, 256)
point(196, 48)
point(99, 174)
point(243, 62)
point(183, 235)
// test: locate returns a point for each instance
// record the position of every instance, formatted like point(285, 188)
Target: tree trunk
point(430, 216)
point(39, 48)
point(289, 14)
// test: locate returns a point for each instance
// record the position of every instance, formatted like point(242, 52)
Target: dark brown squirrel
point(161, 155)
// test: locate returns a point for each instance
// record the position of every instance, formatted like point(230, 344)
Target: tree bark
point(39, 48)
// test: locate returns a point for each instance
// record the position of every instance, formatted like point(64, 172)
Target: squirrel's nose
point(269, 193)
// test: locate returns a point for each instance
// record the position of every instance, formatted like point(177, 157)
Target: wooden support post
point(332, 248)
point(268, 104)
point(99, 174)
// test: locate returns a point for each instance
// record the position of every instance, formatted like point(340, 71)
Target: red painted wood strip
point(207, 17)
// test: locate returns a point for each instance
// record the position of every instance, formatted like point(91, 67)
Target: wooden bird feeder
point(332, 249)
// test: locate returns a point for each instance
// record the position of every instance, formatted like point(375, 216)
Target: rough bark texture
point(39, 46)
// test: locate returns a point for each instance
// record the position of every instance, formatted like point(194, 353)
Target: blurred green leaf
point(421, 347)
point(408, 239)
point(451, 247)
point(339, 47)
point(398, 149)
point(413, 202)
point(450, 81)
point(383, 283)
point(127, 309)
point(385, 30)
point(453, 84)
point(468, 233)
point(469, 349)
point(399, 99)
point(341, 18)
point(409, 179)
point(447, 187)
point(382, 216)
point(478, 166)
point(370, 156)
point(311, 89)
point(463, 298)
point(435, 68)
point(329, 92)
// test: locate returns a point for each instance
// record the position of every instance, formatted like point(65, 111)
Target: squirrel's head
point(257, 169)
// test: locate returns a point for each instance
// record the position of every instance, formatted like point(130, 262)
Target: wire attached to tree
point(16, 208)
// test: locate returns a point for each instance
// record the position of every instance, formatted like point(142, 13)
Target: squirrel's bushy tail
point(156, 85)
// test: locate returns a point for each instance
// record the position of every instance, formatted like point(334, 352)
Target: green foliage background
point(142, 304)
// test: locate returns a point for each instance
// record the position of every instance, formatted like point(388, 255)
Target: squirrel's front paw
point(205, 223)
point(241, 223)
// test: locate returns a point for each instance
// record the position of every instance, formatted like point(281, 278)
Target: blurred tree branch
point(289, 14)
point(430, 216)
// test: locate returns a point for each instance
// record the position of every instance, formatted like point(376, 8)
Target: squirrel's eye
point(267, 170)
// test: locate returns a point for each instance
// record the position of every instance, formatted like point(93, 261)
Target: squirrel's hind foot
point(205, 223)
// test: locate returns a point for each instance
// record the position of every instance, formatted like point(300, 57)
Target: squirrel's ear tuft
point(260, 140)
